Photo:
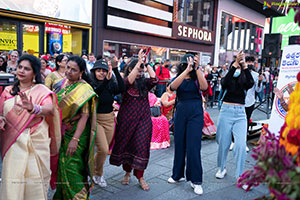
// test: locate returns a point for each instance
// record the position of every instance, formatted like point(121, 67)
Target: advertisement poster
point(72, 10)
point(289, 68)
point(55, 43)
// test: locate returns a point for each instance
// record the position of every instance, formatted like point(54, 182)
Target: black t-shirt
point(236, 87)
point(107, 90)
point(215, 76)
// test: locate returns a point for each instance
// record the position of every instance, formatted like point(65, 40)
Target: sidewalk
point(160, 169)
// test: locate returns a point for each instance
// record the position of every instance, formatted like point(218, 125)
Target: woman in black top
point(232, 118)
point(106, 88)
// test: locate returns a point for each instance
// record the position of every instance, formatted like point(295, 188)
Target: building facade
point(170, 27)
point(46, 26)
point(242, 27)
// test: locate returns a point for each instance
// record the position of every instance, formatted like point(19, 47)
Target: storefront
point(170, 28)
point(43, 27)
point(242, 27)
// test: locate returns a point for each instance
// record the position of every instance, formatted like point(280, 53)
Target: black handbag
point(155, 111)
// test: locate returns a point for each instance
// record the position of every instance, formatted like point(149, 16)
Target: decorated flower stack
point(278, 158)
point(290, 131)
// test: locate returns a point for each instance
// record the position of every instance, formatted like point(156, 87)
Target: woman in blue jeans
point(188, 123)
point(232, 118)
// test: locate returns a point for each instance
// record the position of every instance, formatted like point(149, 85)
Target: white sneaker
point(99, 180)
point(220, 174)
point(247, 149)
point(197, 189)
point(231, 146)
point(171, 180)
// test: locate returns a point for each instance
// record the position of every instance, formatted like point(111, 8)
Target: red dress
point(134, 128)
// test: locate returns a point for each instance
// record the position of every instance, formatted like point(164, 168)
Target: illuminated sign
point(184, 31)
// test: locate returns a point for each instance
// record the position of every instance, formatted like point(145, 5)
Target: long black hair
point(59, 58)
point(36, 67)
point(139, 84)
point(82, 67)
point(182, 66)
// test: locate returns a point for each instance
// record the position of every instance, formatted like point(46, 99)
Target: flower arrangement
point(278, 158)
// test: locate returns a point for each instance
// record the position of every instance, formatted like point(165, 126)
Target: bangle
point(74, 138)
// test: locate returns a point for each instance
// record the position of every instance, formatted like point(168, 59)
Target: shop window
point(31, 39)
point(198, 13)
point(8, 36)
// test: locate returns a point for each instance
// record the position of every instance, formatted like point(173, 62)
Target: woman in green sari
point(76, 99)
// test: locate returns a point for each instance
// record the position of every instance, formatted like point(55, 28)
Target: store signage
point(286, 26)
point(258, 39)
point(55, 43)
point(187, 32)
point(8, 41)
point(289, 69)
point(57, 28)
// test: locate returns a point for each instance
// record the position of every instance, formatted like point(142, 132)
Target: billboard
point(286, 26)
point(71, 10)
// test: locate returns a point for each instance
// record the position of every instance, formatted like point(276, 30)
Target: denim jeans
point(232, 120)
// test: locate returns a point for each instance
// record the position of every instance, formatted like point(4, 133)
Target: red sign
point(188, 32)
point(57, 28)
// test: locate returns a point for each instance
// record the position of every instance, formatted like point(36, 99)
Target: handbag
point(155, 111)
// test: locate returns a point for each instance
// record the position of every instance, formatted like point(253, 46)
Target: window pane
point(196, 13)
point(31, 39)
point(8, 36)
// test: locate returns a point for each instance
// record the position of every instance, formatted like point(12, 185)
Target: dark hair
point(44, 60)
point(58, 58)
point(99, 57)
point(124, 56)
point(139, 84)
point(249, 59)
point(36, 67)
point(82, 67)
point(182, 66)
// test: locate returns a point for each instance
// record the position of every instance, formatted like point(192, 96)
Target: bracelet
point(37, 109)
point(74, 138)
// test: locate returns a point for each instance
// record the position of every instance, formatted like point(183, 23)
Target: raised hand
point(290, 89)
point(26, 103)
point(114, 62)
point(141, 56)
point(278, 93)
point(109, 73)
point(190, 62)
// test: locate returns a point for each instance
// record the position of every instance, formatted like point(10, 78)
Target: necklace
point(18, 109)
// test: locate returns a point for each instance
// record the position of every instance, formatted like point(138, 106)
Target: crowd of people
point(72, 110)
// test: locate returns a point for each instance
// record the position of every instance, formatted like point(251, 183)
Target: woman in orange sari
point(29, 134)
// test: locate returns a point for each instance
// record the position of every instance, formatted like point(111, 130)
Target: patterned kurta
point(134, 128)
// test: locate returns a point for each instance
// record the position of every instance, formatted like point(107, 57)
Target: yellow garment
point(26, 166)
point(52, 78)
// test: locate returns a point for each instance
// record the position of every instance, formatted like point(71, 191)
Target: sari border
point(26, 125)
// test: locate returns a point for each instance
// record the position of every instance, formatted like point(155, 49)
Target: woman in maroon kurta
point(134, 125)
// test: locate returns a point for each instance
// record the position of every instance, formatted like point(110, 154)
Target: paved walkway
point(160, 168)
